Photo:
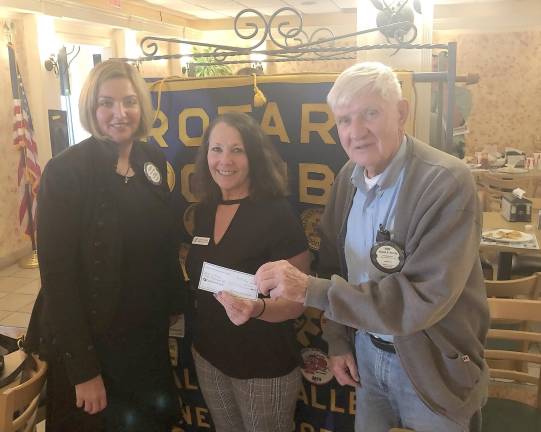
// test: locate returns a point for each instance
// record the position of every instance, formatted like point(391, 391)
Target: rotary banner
point(299, 122)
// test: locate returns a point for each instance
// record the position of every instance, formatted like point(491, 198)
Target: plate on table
point(512, 170)
point(497, 163)
point(507, 236)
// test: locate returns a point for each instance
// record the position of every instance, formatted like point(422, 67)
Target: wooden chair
point(19, 402)
point(492, 187)
point(526, 288)
point(514, 396)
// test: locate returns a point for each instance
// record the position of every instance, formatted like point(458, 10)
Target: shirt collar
point(389, 176)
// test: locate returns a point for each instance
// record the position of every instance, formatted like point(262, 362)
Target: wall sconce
point(59, 65)
point(51, 64)
point(394, 12)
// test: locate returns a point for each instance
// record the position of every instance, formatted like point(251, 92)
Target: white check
point(215, 278)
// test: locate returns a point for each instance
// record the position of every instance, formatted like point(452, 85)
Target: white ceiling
point(220, 9)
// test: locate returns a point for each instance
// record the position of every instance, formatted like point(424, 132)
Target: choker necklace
point(233, 201)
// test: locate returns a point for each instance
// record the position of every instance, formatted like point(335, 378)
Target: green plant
point(212, 70)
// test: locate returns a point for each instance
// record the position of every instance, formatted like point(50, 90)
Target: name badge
point(203, 241)
point(386, 255)
point(152, 173)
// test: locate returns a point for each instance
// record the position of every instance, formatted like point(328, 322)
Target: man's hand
point(281, 279)
point(91, 396)
point(344, 369)
point(238, 310)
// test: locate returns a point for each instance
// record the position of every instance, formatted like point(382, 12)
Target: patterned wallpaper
point(506, 107)
point(12, 239)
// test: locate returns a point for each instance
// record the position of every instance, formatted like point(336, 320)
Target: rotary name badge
point(152, 173)
point(386, 255)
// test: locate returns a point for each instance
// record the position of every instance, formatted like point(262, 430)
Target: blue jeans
point(387, 399)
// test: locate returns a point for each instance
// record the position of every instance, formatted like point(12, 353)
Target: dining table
point(532, 176)
point(506, 171)
point(503, 250)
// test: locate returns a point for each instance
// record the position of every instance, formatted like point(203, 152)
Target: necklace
point(126, 178)
point(125, 175)
point(233, 201)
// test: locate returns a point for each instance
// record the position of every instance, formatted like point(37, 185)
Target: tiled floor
point(18, 290)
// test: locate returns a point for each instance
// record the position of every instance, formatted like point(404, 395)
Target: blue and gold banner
point(299, 122)
point(296, 117)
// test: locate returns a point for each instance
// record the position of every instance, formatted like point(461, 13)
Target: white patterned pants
point(248, 405)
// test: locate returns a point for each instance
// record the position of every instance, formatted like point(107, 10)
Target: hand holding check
point(238, 310)
point(281, 279)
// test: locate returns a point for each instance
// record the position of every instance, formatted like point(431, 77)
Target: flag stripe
point(28, 171)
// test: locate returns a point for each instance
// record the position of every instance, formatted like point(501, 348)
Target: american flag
point(29, 171)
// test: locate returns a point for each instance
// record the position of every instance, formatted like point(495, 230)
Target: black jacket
point(80, 253)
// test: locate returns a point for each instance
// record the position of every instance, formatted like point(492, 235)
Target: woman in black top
point(245, 351)
point(109, 268)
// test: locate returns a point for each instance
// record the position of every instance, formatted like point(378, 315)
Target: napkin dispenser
point(516, 209)
point(515, 157)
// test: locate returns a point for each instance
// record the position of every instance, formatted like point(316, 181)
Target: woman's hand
point(173, 319)
point(91, 396)
point(239, 310)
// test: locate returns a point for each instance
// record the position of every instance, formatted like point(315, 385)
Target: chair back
point(492, 187)
point(528, 287)
point(19, 402)
point(518, 385)
point(503, 183)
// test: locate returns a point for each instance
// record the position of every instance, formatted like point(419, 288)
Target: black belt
point(382, 344)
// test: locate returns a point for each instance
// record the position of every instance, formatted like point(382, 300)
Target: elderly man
point(400, 236)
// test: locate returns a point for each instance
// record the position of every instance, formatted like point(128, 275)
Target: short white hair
point(364, 77)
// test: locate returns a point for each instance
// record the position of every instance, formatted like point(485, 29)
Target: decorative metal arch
point(284, 29)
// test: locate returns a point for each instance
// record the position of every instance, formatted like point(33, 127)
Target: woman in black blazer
point(109, 267)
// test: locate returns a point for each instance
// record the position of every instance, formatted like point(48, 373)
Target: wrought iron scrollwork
point(255, 28)
point(284, 28)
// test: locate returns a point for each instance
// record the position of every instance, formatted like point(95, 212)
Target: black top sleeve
point(176, 287)
point(59, 239)
point(288, 238)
